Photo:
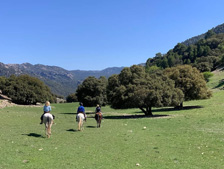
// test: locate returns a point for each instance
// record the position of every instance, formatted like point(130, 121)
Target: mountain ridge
point(218, 29)
point(61, 81)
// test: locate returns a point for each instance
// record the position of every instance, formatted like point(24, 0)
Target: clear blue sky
point(96, 34)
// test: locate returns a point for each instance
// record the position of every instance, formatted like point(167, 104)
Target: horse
point(48, 121)
point(98, 118)
point(80, 119)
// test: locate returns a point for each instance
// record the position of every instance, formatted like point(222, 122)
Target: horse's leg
point(98, 118)
point(79, 125)
point(46, 127)
point(49, 128)
point(47, 132)
point(82, 128)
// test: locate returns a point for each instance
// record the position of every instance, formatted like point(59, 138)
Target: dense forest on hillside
point(218, 29)
point(206, 55)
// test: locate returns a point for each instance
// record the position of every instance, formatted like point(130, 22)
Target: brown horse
point(98, 118)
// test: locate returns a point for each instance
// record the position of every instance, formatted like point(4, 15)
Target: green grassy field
point(192, 138)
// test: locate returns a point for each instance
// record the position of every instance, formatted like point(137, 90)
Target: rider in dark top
point(98, 110)
point(81, 109)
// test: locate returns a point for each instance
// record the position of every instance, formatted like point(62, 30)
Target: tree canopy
point(25, 89)
point(190, 81)
point(92, 91)
point(72, 98)
point(134, 88)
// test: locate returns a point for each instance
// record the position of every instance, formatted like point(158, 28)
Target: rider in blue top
point(81, 109)
point(47, 109)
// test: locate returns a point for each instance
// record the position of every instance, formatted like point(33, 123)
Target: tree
point(190, 81)
point(2, 82)
point(92, 91)
point(142, 90)
point(72, 98)
point(25, 89)
point(207, 75)
point(209, 34)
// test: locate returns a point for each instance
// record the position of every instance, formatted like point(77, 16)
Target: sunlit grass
point(190, 138)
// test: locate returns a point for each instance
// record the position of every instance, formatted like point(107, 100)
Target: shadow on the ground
point(153, 111)
point(221, 83)
point(71, 130)
point(68, 113)
point(133, 116)
point(33, 135)
point(141, 115)
point(177, 109)
point(76, 113)
point(90, 126)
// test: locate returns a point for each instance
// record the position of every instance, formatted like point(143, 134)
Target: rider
point(81, 109)
point(47, 109)
point(98, 110)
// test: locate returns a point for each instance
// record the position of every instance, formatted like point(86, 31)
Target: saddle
point(98, 113)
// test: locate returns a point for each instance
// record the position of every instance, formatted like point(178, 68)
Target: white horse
point(80, 119)
point(48, 121)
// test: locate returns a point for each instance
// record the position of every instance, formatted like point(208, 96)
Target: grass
point(214, 81)
point(192, 138)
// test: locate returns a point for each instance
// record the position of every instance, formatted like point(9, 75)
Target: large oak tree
point(134, 88)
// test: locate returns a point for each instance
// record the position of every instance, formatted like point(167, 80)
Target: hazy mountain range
point(62, 82)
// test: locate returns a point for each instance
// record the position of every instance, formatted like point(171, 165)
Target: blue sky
point(96, 34)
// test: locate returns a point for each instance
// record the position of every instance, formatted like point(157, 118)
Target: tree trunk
point(181, 105)
point(148, 111)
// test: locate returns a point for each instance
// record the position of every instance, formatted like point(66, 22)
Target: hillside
point(216, 82)
point(62, 82)
point(218, 29)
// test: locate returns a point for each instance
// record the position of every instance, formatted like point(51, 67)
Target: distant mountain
point(62, 82)
point(218, 29)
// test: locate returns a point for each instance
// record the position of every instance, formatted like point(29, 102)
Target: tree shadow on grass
point(34, 135)
point(68, 113)
point(153, 111)
point(134, 116)
point(90, 112)
point(76, 113)
point(221, 83)
point(177, 109)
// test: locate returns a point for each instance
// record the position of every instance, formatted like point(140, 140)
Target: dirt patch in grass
point(6, 103)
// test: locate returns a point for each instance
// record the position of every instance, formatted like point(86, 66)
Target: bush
point(207, 75)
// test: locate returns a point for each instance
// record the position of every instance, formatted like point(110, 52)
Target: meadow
point(192, 138)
